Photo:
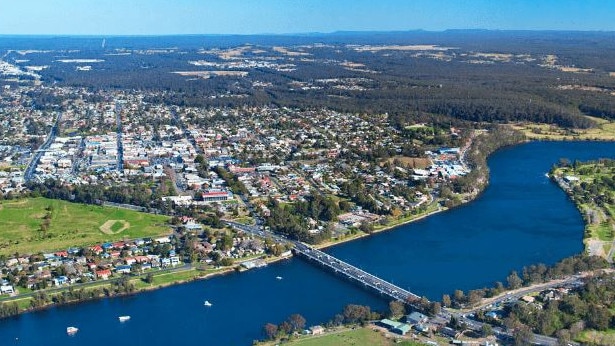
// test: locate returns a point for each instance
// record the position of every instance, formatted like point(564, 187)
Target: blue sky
point(160, 17)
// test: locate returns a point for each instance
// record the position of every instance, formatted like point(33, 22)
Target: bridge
point(354, 274)
point(338, 266)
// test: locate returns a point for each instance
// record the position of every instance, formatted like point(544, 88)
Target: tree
point(446, 300)
point(434, 308)
point(513, 280)
point(459, 297)
point(523, 336)
point(563, 337)
point(396, 308)
point(285, 327)
point(356, 313)
point(271, 330)
point(149, 278)
point(486, 330)
point(598, 317)
point(297, 322)
point(366, 227)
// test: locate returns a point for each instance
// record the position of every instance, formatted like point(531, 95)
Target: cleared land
point(114, 226)
point(604, 131)
point(359, 337)
point(411, 162)
point(40, 224)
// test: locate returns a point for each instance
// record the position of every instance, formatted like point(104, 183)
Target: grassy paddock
point(33, 225)
point(359, 336)
point(604, 131)
point(598, 338)
point(163, 279)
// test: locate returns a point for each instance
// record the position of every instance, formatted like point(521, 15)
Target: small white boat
point(207, 303)
point(124, 318)
point(71, 330)
point(278, 277)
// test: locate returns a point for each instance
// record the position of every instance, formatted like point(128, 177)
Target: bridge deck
point(354, 273)
point(339, 266)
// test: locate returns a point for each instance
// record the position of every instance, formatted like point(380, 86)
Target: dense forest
point(480, 76)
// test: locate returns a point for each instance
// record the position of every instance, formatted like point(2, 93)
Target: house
point(60, 280)
point(103, 274)
point(97, 249)
point(528, 299)
point(7, 289)
point(395, 327)
point(174, 260)
point(163, 240)
point(141, 259)
point(401, 329)
point(447, 331)
point(317, 330)
point(123, 269)
point(416, 318)
point(388, 324)
point(492, 314)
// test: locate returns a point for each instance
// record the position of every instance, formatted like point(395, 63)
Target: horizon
point(315, 33)
point(295, 17)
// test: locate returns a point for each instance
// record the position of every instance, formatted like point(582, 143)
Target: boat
point(71, 330)
point(124, 318)
point(278, 277)
point(207, 303)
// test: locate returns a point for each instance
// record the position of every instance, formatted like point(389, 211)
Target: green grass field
point(597, 338)
point(358, 337)
point(22, 225)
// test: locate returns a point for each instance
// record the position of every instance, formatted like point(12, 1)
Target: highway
point(336, 265)
point(366, 279)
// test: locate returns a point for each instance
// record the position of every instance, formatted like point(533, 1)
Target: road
point(29, 173)
point(464, 315)
point(395, 292)
point(337, 265)
point(518, 293)
point(120, 145)
point(93, 283)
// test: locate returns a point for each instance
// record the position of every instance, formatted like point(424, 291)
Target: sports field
point(33, 225)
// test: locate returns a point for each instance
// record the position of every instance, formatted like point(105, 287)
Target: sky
point(172, 17)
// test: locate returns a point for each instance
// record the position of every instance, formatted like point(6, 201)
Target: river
point(521, 218)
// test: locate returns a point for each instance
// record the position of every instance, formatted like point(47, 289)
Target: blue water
point(521, 219)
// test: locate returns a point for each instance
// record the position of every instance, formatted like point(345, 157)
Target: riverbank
point(193, 274)
point(351, 335)
point(382, 228)
point(190, 274)
point(186, 275)
point(453, 243)
point(590, 187)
